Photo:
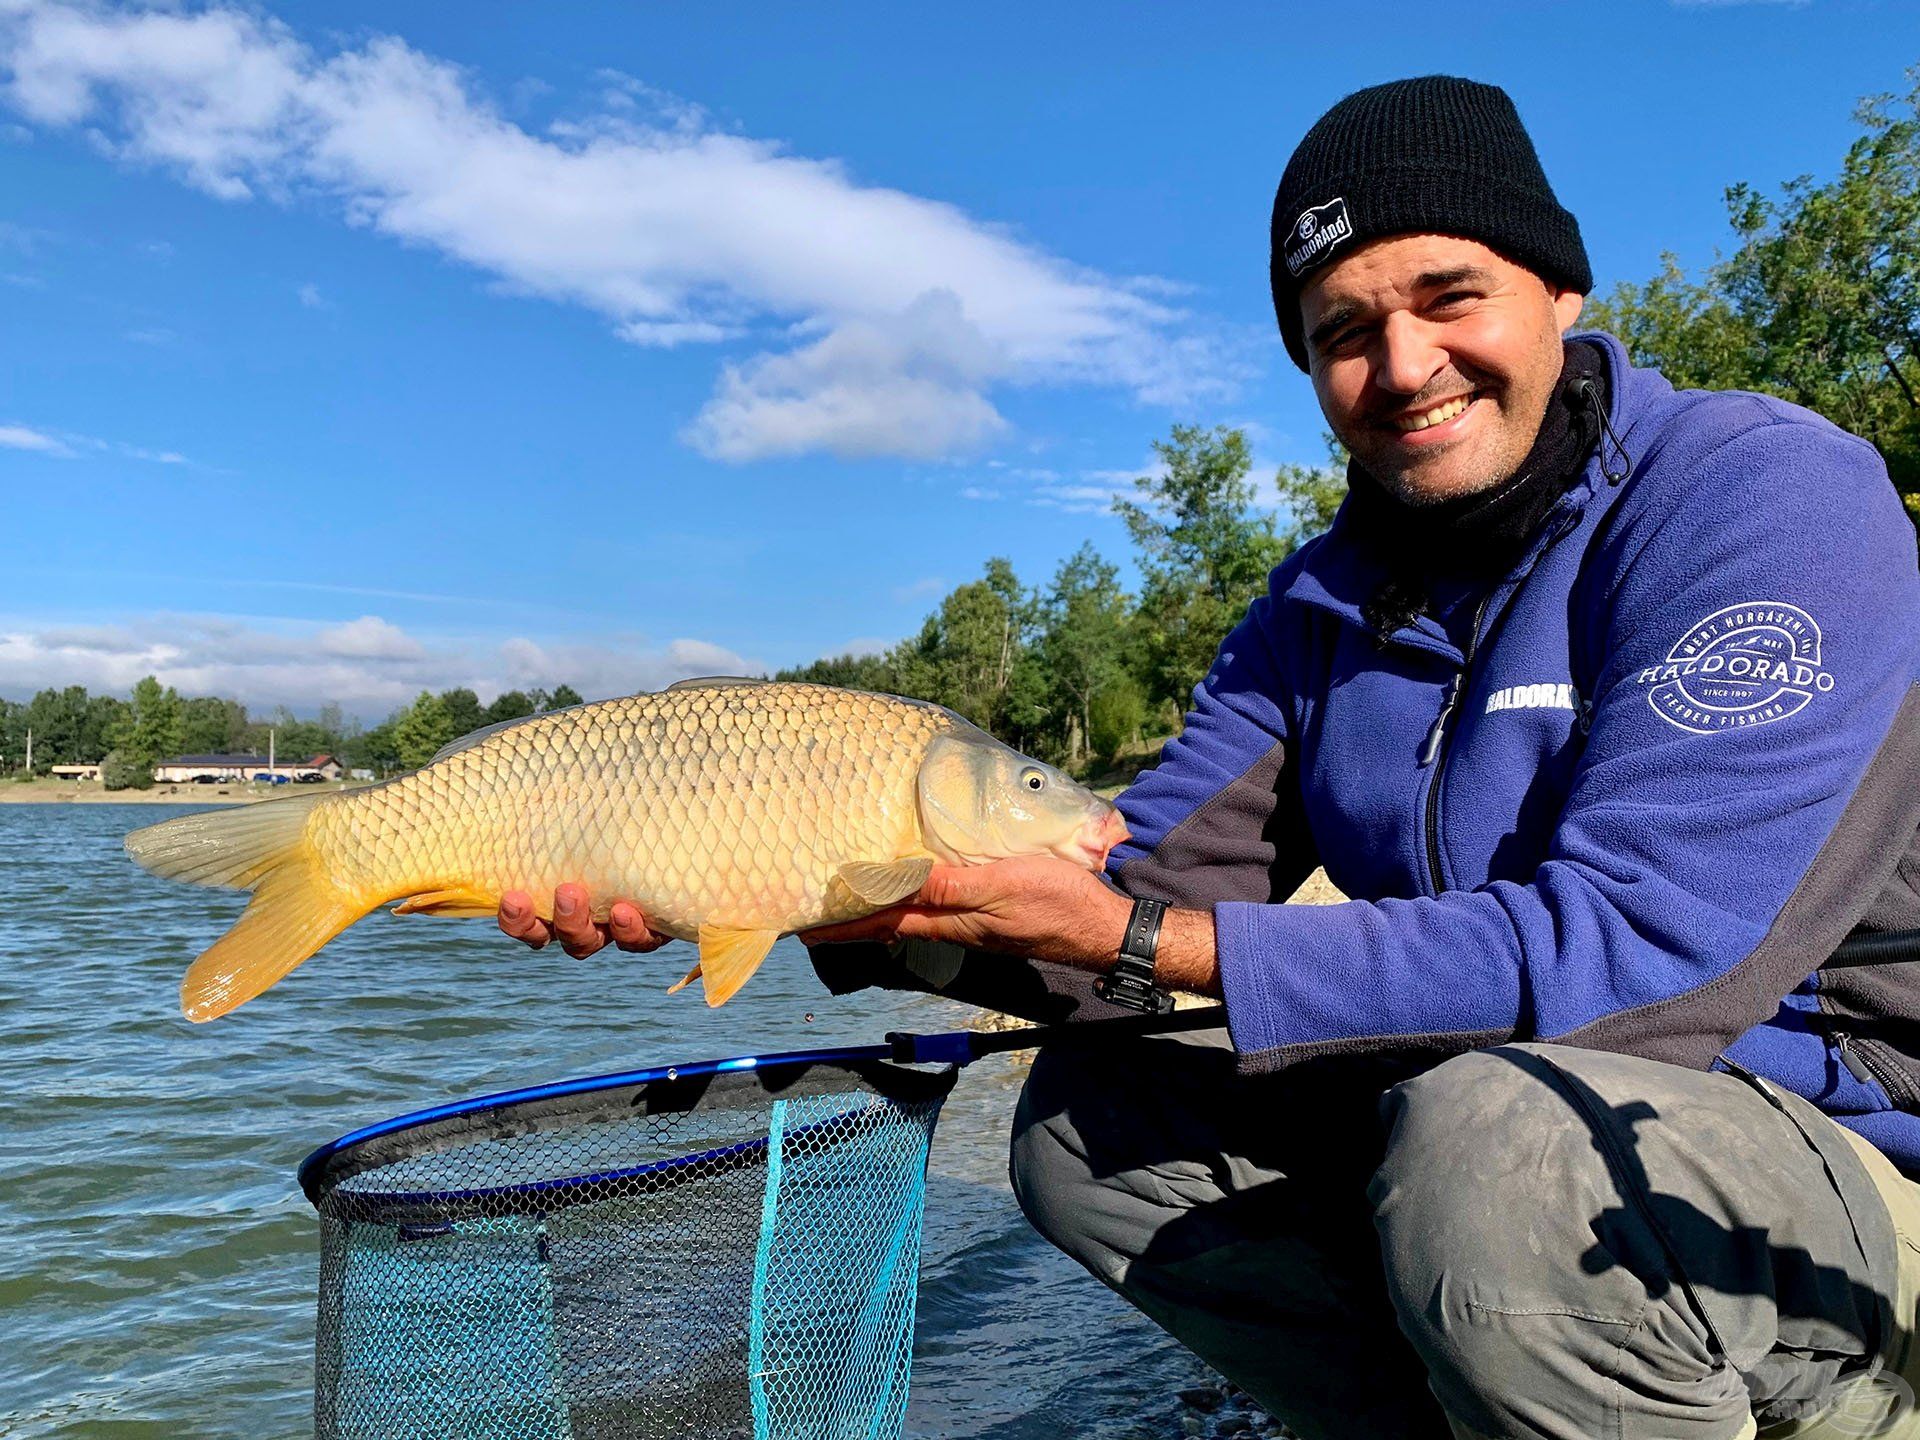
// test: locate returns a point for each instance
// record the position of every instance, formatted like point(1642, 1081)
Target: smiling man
point(1603, 701)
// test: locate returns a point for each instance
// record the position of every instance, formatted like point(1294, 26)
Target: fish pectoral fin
point(883, 882)
point(684, 981)
point(457, 902)
point(728, 957)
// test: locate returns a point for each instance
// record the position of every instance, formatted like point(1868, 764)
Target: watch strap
point(1130, 983)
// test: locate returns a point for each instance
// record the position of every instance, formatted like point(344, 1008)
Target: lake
point(158, 1262)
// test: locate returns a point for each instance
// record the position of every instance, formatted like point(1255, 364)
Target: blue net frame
point(727, 1248)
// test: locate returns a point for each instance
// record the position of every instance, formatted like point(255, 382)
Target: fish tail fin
point(295, 908)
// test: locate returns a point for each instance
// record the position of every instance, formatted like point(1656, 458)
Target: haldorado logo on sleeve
point(1315, 233)
point(1749, 664)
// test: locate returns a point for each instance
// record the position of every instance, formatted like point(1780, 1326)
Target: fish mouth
point(1096, 839)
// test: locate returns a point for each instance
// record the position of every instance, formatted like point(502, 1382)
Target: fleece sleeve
point(1751, 776)
point(1219, 817)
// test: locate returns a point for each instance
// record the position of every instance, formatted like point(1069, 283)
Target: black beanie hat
point(1438, 154)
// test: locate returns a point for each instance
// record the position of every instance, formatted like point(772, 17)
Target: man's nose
point(1408, 354)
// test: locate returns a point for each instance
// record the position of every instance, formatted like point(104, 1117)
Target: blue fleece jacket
point(1680, 763)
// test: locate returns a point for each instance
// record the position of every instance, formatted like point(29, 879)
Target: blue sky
point(348, 350)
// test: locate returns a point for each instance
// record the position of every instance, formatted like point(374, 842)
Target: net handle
point(962, 1047)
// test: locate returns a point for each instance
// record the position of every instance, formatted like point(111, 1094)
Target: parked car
point(269, 779)
point(206, 779)
point(308, 777)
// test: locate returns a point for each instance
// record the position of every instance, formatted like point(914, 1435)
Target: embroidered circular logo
point(1308, 225)
point(1749, 664)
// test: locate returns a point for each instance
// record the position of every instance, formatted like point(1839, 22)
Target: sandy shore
point(76, 792)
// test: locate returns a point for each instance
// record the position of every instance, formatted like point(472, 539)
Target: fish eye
point(1033, 780)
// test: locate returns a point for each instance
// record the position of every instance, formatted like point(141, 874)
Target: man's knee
point(1517, 1264)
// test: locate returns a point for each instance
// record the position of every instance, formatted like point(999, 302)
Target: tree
point(210, 726)
point(375, 749)
point(1310, 494)
point(562, 697)
point(421, 730)
point(464, 711)
point(1085, 646)
point(509, 705)
point(968, 653)
point(1205, 553)
point(854, 672)
point(150, 731)
point(1820, 301)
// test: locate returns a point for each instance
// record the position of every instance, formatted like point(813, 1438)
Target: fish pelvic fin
point(460, 902)
point(881, 883)
point(295, 908)
point(728, 958)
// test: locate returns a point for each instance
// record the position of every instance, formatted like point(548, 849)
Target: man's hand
point(573, 924)
point(1038, 906)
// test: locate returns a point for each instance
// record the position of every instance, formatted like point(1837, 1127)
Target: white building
point(188, 768)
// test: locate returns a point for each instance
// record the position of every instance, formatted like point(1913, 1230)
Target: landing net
point(724, 1249)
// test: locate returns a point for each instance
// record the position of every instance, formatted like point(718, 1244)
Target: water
point(157, 1261)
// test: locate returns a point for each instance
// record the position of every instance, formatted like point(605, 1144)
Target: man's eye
point(1453, 299)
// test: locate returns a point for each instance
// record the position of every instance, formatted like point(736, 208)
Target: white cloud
point(369, 666)
point(311, 297)
point(979, 492)
point(19, 437)
point(68, 446)
point(369, 638)
point(919, 589)
point(647, 212)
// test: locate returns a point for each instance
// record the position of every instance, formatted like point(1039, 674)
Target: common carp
point(730, 811)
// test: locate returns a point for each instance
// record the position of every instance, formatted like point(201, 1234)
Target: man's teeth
point(1438, 415)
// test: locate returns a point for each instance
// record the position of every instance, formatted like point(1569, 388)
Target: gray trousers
point(1532, 1240)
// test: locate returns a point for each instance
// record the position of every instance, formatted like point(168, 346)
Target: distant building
point(188, 768)
point(76, 772)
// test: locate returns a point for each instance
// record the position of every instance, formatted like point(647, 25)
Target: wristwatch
point(1130, 983)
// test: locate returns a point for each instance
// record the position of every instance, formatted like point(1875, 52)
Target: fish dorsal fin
point(715, 682)
point(728, 958)
point(487, 732)
point(883, 882)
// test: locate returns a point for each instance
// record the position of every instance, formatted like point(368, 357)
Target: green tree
point(150, 731)
point(420, 731)
point(969, 651)
point(375, 749)
point(562, 697)
point(1085, 645)
point(510, 705)
point(1820, 301)
point(855, 672)
point(210, 726)
point(1310, 494)
point(1205, 553)
point(464, 711)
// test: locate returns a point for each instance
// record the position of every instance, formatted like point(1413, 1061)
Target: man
point(1604, 701)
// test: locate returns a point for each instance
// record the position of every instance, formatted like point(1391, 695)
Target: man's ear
point(1566, 307)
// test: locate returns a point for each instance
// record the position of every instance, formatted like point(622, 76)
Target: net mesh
point(736, 1256)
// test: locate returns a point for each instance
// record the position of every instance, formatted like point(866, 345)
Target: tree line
point(1079, 669)
point(127, 738)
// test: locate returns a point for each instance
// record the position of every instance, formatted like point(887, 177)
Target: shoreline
point(92, 792)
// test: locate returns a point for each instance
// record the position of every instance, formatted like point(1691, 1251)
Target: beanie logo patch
point(1315, 233)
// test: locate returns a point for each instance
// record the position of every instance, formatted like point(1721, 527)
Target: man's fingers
point(573, 922)
point(518, 920)
point(629, 929)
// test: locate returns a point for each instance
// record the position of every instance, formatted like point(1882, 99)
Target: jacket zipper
point(1852, 1059)
point(1434, 752)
